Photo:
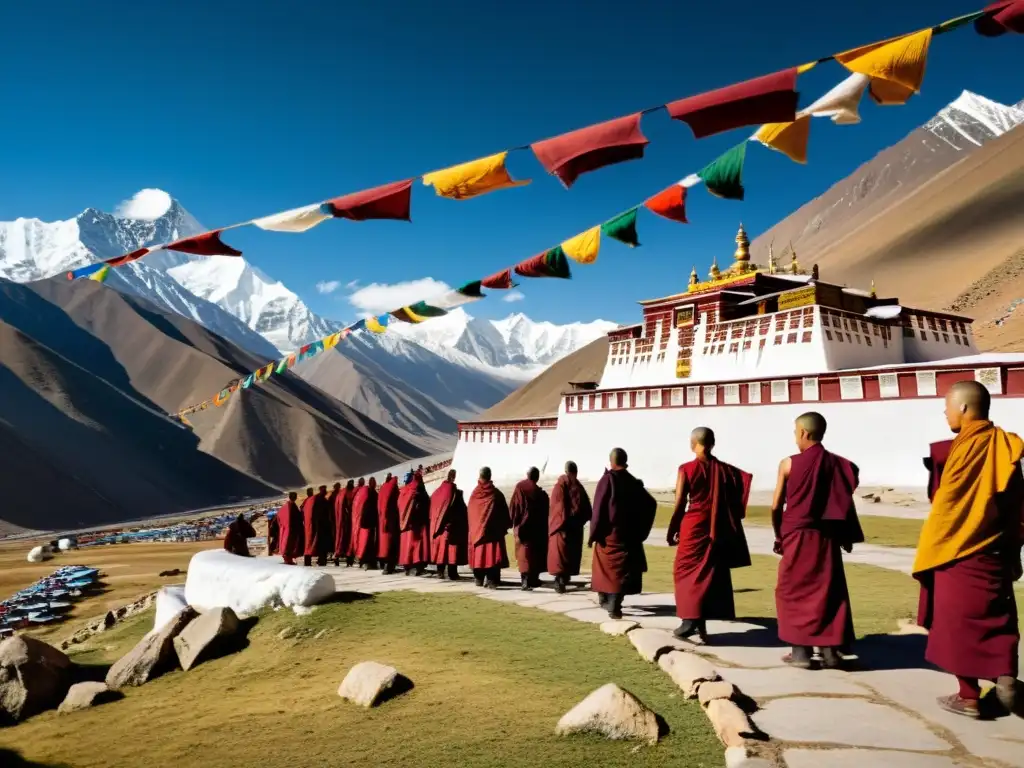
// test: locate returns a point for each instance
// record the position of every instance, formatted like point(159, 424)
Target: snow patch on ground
point(169, 601)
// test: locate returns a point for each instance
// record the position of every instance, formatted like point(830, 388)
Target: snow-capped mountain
point(971, 120)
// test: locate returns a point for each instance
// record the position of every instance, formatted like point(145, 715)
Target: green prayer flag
point(423, 309)
point(557, 263)
point(622, 228)
point(724, 176)
point(471, 289)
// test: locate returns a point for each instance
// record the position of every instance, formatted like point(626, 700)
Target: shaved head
point(814, 424)
point(485, 473)
point(966, 401)
point(451, 475)
point(703, 436)
point(618, 457)
point(533, 474)
point(571, 468)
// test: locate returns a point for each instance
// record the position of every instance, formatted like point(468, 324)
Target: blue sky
point(244, 109)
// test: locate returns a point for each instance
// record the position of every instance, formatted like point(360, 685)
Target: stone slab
point(667, 623)
point(860, 758)
point(619, 627)
point(848, 722)
point(591, 615)
point(765, 683)
point(564, 606)
point(742, 656)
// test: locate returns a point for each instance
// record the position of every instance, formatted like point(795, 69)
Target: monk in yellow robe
point(969, 554)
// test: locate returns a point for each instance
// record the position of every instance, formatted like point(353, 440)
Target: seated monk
point(529, 512)
point(489, 522)
point(814, 517)
point(969, 555)
point(623, 516)
point(570, 511)
point(448, 529)
point(707, 531)
point(235, 540)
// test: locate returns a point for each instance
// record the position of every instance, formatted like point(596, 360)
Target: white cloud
point(513, 296)
point(381, 297)
point(351, 285)
point(146, 204)
point(328, 286)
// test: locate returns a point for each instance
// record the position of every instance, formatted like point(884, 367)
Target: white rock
point(730, 722)
point(369, 682)
point(687, 670)
point(619, 627)
point(39, 554)
point(169, 602)
point(205, 636)
point(151, 657)
point(718, 689)
point(611, 712)
point(34, 677)
point(65, 544)
point(86, 695)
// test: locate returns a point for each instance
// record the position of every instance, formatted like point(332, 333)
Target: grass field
point(491, 681)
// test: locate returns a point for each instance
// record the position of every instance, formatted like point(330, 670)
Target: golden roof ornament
point(873, 294)
point(694, 277)
point(794, 265)
point(715, 273)
point(771, 258)
point(742, 255)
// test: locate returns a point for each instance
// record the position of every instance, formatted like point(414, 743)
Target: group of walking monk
point(968, 557)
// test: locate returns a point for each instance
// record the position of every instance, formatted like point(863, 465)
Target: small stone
point(369, 683)
point(652, 643)
point(286, 633)
point(34, 677)
point(152, 656)
point(687, 670)
point(730, 722)
point(719, 689)
point(86, 695)
point(611, 712)
point(619, 627)
point(320, 634)
point(205, 636)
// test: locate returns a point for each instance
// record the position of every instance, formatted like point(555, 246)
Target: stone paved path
point(884, 716)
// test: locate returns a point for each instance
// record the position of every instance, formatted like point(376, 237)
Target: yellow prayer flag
point(788, 138)
point(896, 67)
point(373, 324)
point(472, 179)
point(584, 246)
point(806, 67)
point(332, 340)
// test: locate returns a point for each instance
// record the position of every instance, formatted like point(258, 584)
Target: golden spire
point(873, 294)
point(771, 258)
point(694, 277)
point(794, 266)
point(742, 255)
point(715, 273)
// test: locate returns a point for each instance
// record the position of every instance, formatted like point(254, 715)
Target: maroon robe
point(569, 512)
point(623, 516)
point(289, 523)
point(316, 518)
point(811, 597)
point(935, 462)
point(709, 519)
point(352, 521)
point(529, 512)
point(489, 522)
point(273, 535)
point(449, 532)
point(414, 522)
point(364, 522)
point(235, 538)
point(342, 512)
point(388, 531)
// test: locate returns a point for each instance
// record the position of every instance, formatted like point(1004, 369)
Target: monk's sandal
point(958, 705)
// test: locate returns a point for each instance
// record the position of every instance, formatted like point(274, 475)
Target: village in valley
point(771, 516)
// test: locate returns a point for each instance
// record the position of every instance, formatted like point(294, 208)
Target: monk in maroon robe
point(289, 522)
point(342, 512)
point(934, 462)
point(449, 531)
point(235, 540)
point(570, 511)
point(414, 523)
point(388, 530)
point(273, 535)
point(364, 524)
point(814, 517)
point(969, 553)
point(707, 531)
point(529, 512)
point(623, 516)
point(316, 518)
point(332, 500)
point(353, 524)
point(489, 522)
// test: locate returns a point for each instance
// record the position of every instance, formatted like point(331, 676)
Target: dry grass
point(491, 682)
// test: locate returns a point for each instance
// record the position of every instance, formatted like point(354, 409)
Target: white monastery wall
point(508, 461)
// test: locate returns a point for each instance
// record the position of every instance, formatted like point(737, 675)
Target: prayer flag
point(389, 201)
point(1001, 17)
point(724, 176)
point(407, 315)
point(264, 373)
point(206, 244)
point(468, 293)
point(572, 154)
point(128, 258)
point(499, 281)
point(358, 325)
point(296, 220)
point(896, 67)
point(670, 203)
point(221, 397)
point(86, 271)
point(583, 248)
point(842, 103)
point(332, 341)
point(425, 310)
point(101, 275)
point(285, 363)
point(622, 228)
point(768, 99)
point(551, 263)
point(248, 380)
point(472, 179)
point(304, 351)
point(788, 138)
point(377, 324)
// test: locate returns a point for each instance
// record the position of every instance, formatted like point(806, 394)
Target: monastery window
point(806, 337)
point(945, 337)
point(764, 325)
point(931, 323)
point(750, 330)
point(794, 321)
point(490, 436)
point(620, 400)
point(888, 385)
point(924, 336)
point(858, 338)
point(849, 339)
point(846, 323)
point(808, 319)
point(734, 347)
point(721, 348)
point(875, 329)
point(864, 328)
point(678, 397)
point(655, 401)
point(640, 399)
point(508, 437)
point(535, 435)
point(926, 383)
point(824, 319)
point(761, 343)
point(778, 341)
point(908, 333)
point(747, 344)
point(780, 391)
point(851, 388)
point(515, 437)
point(957, 340)
point(705, 351)
point(810, 389)
point(867, 340)
point(693, 395)
point(711, 394)
point(791, 338)
point(942, 324)
point(731, 394)
point(754, 392)
point(885, 343)
point(828, 335)
point(936, 335)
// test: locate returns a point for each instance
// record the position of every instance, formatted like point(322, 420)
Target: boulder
point(85, 695)
point(611, 712)
point(731, 723)
point(719, 689)
point(65, 544)
point(40, 553)
point(369, 683)
point(34, 677)
point(152, 656)
point(687, 670)
point(205, 636)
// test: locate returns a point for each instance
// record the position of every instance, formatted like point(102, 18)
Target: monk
point(353, 524)
point(342, 522)
point(414, 523)
point(364, 524)
point(570, 511)
point(332, 499)
point(449, 532)
point(316, 516)
point(814, 517)
point(238, 532)
point(489, 522)
point(289, 519)
point(969, 555)
point(529, 512)
point(388, 530)
point(622, 519)
point(707, 531)
point(273, 535)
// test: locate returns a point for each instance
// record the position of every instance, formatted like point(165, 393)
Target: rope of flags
point(891, 69)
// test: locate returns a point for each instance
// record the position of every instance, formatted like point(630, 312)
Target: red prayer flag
point(128, 258)
point(572, 154)
point(389, 201)
point(768, 99)
point(206, 244)
point(499, 281)
point(670, 203)
point(1001, 17)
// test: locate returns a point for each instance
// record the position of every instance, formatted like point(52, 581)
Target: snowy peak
point(971, 120)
